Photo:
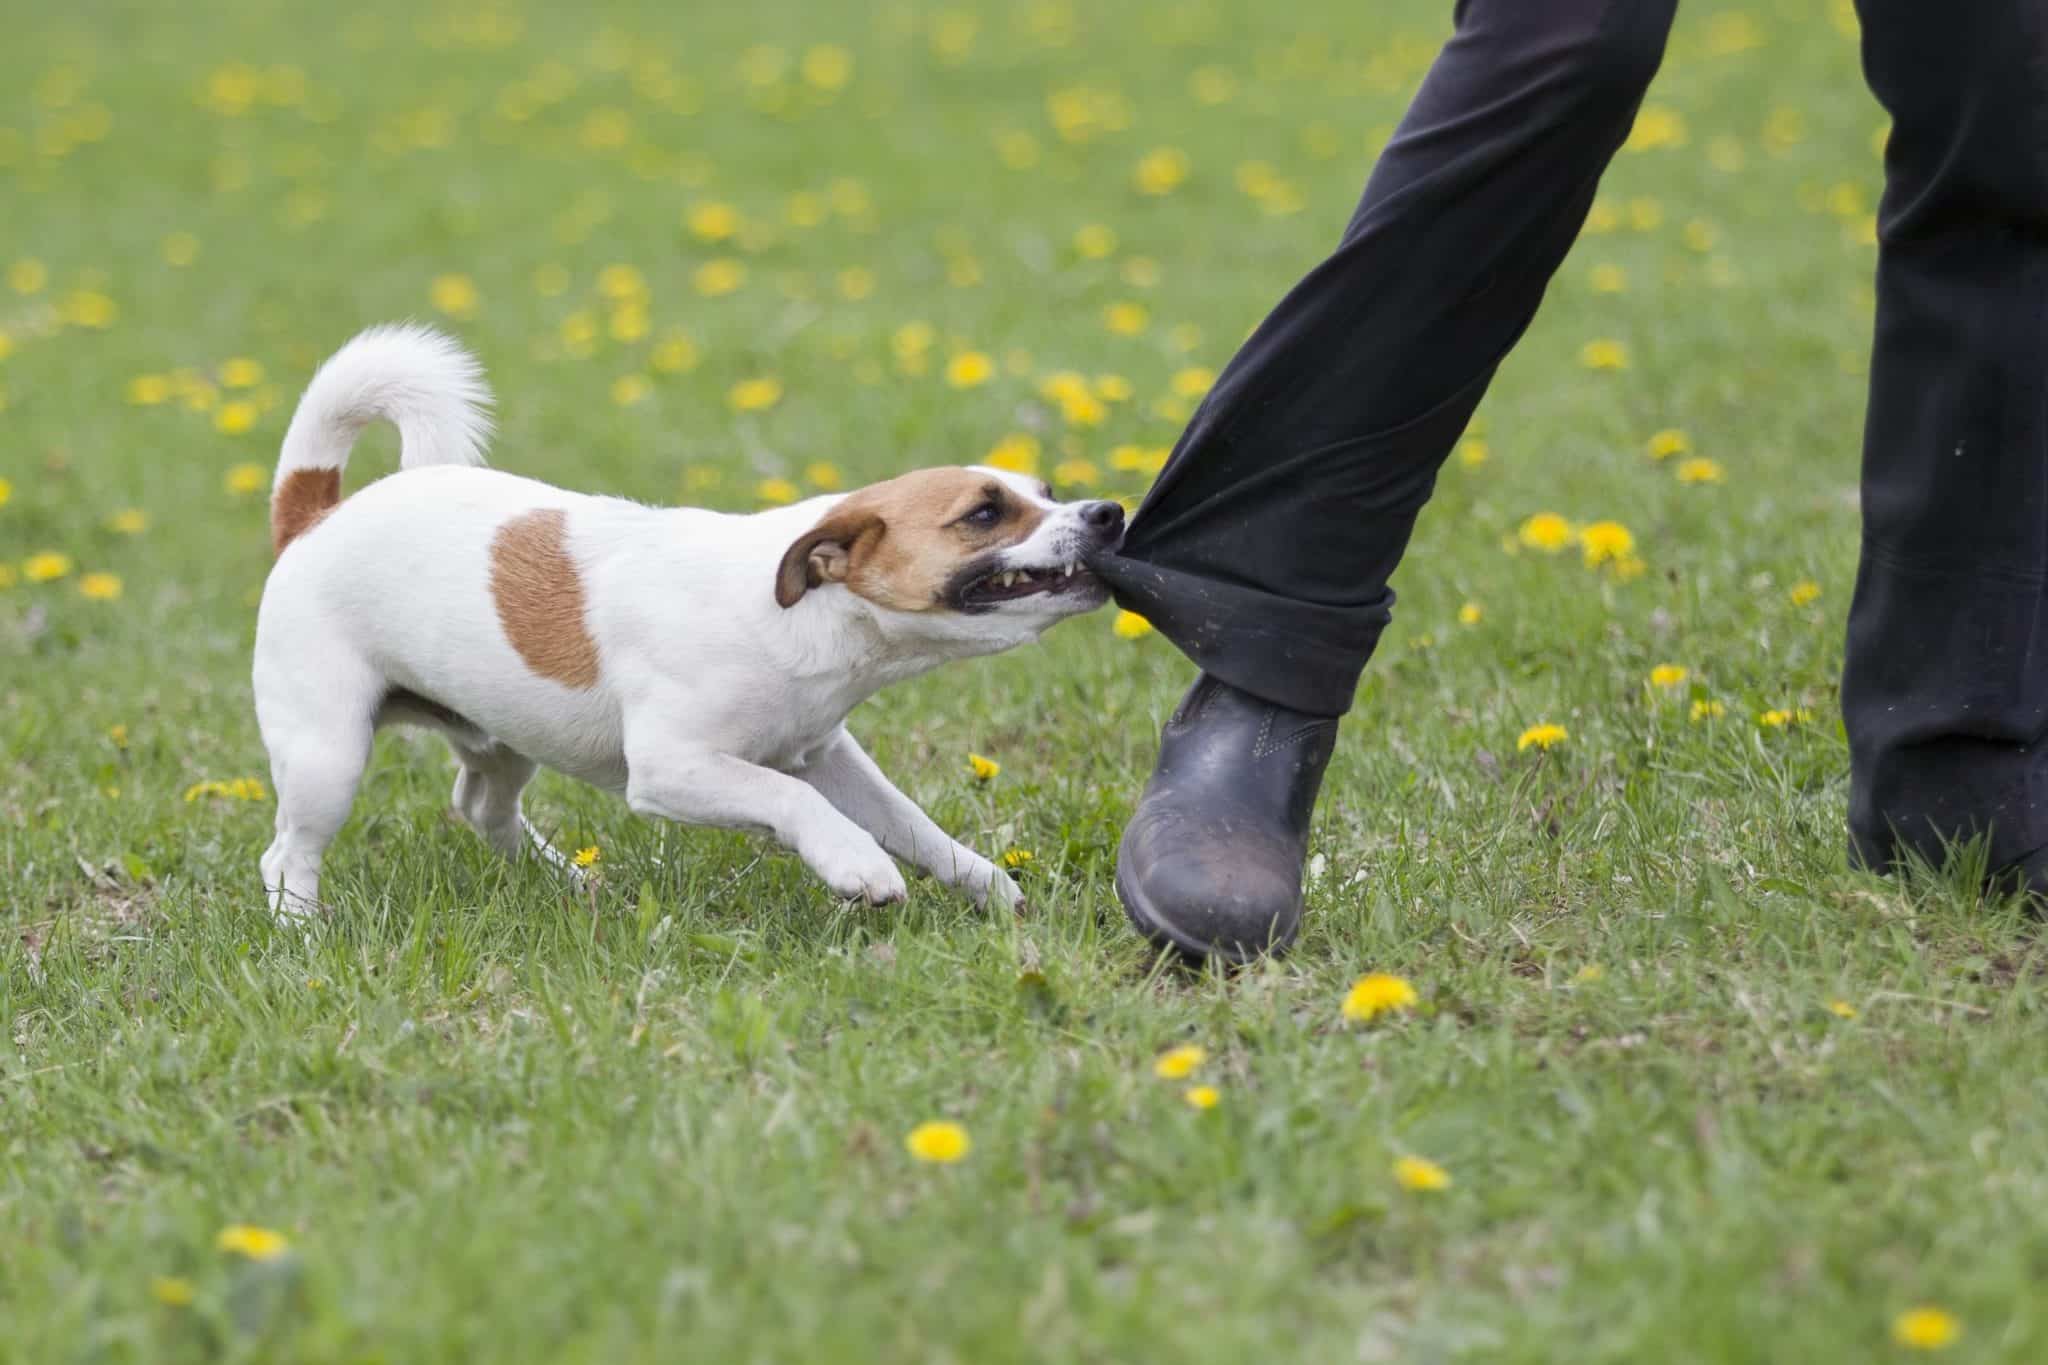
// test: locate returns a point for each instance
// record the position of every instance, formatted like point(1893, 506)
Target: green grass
point(497, 1121)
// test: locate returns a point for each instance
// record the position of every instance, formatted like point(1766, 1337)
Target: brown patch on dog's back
point(305, 496)
point(540, 597)
point(898, 543)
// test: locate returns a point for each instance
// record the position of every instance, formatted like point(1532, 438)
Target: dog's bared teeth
point(1070, 570)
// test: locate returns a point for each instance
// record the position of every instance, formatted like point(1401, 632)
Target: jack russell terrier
point(699, 663)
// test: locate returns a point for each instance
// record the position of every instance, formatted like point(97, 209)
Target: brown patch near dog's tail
point(540, 597)
point(305, 496)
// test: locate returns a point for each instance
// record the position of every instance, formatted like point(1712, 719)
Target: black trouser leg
point(1945, 691)
point(1264, 548)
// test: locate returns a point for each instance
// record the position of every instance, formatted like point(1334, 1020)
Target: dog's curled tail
point(411, 376)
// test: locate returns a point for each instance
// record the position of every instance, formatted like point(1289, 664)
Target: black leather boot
point(1211, 860)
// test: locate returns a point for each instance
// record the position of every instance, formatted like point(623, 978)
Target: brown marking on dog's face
point(305, 496)
point(900, 543)
point(540, 597)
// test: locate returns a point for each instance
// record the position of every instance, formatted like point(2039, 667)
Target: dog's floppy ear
point(825, 553)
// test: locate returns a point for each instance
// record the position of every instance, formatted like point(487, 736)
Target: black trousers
point(1264, 548)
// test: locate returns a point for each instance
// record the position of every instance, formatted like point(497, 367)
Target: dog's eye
point(986, 515)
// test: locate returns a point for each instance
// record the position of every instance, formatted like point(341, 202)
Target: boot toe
point(1209, 888)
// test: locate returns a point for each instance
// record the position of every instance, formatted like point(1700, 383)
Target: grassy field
point(1700, 1093)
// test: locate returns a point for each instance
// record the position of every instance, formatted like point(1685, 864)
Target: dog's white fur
point(714, 704)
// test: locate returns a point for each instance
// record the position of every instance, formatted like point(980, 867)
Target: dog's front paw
point(999, 891)
point(860, 874)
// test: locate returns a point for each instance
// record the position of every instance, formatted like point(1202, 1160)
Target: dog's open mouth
point(1010, 585)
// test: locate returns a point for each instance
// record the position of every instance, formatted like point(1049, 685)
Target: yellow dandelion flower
point(1604, 354)
point(88, 308)
point(1668, 676)
point(1126, 318)
point(1546, 531)
point(172, 1291)
point(619, 282)
point(587, 857)
point(1472, 452)
point(1662, 445)
point(1094, 241)
point(257, 1244)
point(1779, 718)
point(6, 492)
point(716, 278)
point(100, 587)
point(826, 67)
point(234, 789)
point(1841, 1009)
point(1606, 541)
point(1201, 1096)
point(778, 491)
point(913, 338)
point(1471, 614)
point(1130, 459)
point(1547, 735)
point(713, 222)
point(969, 369)
point(1804, 593)
point(1700, 469)
point(1017, 857)
point(1161, 171)
point(1607, 279)
point(179, 249)
point(629, 389)
point(1378, 993)
point(673, 354)
point(939, 1141)
point(241, 373)
point(148, 390)
point(823, 474)
point(232, 419)
point(1128, 625)
point(1700, 235)
point(118, 733)
point(27, 276)
point(983, 769)
point(1179, 1063)
point(1707, 708)
point(1645, 215)
point(454, 295)
point(1588, 974)
point(1656, 127)
point(1421, 1175)
point(1076, 474)
point(247, 478)
point(1926, 1329)
point(856, 283)
point(1113, 388)
point(1016, 453)
point(46, 566)
point(755, 395)
point(629, 322)
point(1193, 382)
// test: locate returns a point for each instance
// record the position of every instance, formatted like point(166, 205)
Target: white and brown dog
point(700, 663)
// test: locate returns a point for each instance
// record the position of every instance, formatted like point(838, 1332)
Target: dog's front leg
point(700, 787)
point(849, 779)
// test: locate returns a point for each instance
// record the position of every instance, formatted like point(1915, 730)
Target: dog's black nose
point(1104, 518)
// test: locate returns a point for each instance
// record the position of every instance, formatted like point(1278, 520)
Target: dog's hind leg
point(487, 792)
point(314, 766)
point(487, 789)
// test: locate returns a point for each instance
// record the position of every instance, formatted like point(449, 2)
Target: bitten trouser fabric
point(1264, 548)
